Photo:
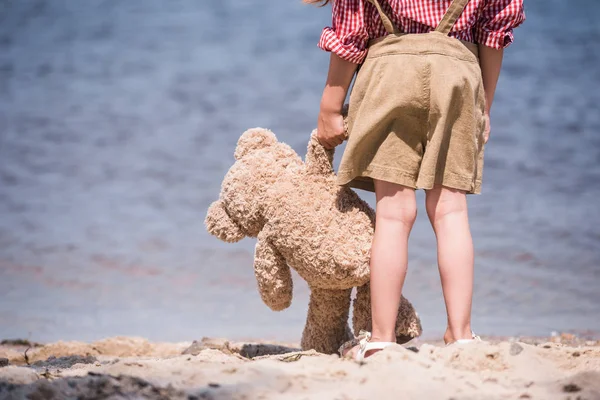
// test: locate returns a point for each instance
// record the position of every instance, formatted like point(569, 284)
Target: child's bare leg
point(395, 215)
point(396, 211)
point(447, 211)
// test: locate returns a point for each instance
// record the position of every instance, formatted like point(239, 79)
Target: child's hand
point(486, 131)
point(330, 129)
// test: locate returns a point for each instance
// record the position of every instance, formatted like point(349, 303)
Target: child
point(418, 118)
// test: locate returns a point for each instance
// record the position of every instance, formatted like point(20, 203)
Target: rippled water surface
point(118, 121)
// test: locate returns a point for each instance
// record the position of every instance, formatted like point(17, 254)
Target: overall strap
point(387, 22)
point(456, 8)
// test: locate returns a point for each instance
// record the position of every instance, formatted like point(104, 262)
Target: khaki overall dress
point(416, 112)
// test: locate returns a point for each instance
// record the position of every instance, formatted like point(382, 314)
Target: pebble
point(571, 388)
point(515, 349)
point(64, 362)
point(207, 343)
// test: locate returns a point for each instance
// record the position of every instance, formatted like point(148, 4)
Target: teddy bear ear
point(220, 224)
point(254, 139)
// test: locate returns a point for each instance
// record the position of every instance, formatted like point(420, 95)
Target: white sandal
point(474, 338)
point(366, 345)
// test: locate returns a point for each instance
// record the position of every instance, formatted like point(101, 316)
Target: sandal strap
point(463, 341)
point(363, 340)
point(474, 338)
point(366, 346)
point(353, 342)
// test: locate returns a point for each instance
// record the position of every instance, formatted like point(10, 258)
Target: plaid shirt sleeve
point(347, 37)
point(495, 24)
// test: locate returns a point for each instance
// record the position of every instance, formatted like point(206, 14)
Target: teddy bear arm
point(318, 160)
point(273, 276)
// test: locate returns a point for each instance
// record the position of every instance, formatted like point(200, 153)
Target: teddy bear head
point(260, 161)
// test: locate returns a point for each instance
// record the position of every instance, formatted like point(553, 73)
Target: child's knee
point(442, 201)
point(406, 214)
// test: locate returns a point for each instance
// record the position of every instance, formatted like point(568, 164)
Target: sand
point(562, 367)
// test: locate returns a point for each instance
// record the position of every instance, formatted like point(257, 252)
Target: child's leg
point(396, 212)
point(447, 211)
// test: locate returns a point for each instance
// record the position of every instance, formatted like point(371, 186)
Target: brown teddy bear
point(303, 220)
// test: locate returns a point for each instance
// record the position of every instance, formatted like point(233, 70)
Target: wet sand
point(559, 367)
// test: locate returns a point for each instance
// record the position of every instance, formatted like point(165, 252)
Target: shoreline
point(212, 368)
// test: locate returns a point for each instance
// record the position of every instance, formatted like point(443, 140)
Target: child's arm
point(494, 32)
point(346, 39)
point(330, 125)
point(491, 62)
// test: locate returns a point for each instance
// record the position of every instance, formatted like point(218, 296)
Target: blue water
point(118, 121)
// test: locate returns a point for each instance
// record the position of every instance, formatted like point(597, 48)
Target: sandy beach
point(559, 367)
point(118, 123)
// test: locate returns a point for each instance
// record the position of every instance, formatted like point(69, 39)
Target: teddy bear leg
point(408, 323)
point(327, 321)
point(361, 313)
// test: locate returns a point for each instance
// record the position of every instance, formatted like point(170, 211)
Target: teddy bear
point(303, 220)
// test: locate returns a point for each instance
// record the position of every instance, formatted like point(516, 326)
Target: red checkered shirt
point(355, 22)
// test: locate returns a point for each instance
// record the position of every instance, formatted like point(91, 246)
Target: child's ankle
point(448, 338)
point(453, 334)
point(378, 337)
